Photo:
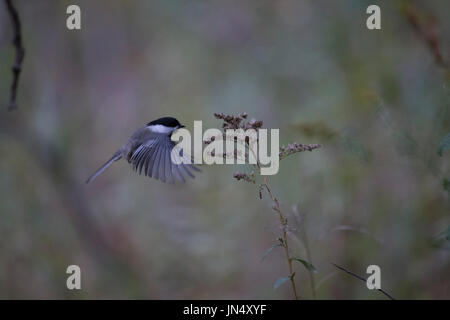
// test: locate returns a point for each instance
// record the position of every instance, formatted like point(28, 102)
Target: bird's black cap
point(166, 121)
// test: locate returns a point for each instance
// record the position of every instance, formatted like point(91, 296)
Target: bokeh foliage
point(376, 193)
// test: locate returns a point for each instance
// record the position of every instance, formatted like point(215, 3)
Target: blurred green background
point(376, 100)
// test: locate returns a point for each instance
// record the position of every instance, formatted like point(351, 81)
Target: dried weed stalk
point(240, 121)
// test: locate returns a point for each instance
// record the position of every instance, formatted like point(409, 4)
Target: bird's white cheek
point(158, 128)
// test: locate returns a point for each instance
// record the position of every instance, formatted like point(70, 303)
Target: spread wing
point(154, 159)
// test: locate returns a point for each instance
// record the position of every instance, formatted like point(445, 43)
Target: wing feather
point(155, 170)
point(162, 164)
point(151, 160)
point(168, 167)
point(144, 158)
point(135, 158)
point(155, 157)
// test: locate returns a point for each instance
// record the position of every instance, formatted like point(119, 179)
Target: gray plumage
point(149, 152)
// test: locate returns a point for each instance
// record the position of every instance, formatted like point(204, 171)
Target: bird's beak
point(181, 126)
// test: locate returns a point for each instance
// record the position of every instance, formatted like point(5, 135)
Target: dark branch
point(362, 279)
point(20, 53)
point(425, 25)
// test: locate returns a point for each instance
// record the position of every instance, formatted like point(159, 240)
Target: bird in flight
point(149, 150)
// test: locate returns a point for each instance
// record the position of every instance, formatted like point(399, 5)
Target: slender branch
point(20, 53)
point(426, 27)
point(308, 256)
point(283, 222)
point(362, 279)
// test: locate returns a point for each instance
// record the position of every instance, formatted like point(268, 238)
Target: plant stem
point(283, 222)
point(308, 256)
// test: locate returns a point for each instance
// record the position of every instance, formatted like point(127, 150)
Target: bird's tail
point(115, 157)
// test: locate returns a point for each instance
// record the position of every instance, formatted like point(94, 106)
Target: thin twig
point(308, 256)
point(362, 279)
point(20, 53)
point(305, 242)
point(283, 222)
point(426, 27)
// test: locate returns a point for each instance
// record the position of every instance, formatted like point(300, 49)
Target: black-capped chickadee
point(150, 148)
